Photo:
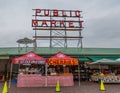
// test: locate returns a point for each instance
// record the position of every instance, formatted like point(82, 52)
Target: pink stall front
point(31, 71)
point(34, 71)
point(59, 69)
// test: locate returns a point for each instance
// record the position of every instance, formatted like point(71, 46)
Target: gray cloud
point(101, 20)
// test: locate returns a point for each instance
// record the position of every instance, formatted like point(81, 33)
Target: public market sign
point(53, 19)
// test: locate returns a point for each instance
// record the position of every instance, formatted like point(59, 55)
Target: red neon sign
point(53, 18)
point(47, 12)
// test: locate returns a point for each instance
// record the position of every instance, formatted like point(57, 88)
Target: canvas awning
point(62, 59)
point(95, 58)
point(4, 57)
point(118, 59)
point(29, 58)
point(105, 62)
point(83, 59)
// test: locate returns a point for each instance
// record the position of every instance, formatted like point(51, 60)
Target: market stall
point(106, 74)
point(59, 70)
point(31, 71)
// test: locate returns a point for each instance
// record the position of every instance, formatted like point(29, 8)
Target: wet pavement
point(85, 87)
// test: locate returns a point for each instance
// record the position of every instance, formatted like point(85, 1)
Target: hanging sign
point(63, 62)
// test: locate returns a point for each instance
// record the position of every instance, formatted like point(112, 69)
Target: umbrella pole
point(10, 74)
point(46, 74)
point(100, 68)
point(19, 67)
point(79, 74)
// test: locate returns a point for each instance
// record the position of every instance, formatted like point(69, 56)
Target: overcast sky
point(101, 20)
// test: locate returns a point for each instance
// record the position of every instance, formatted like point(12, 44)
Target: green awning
point(4, 57)
point(83, 59)
point(95, 58)
point(98, 58)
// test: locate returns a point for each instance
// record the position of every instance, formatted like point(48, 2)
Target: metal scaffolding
point(63, 26)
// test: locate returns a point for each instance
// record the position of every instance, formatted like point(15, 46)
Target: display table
point(106, 79)
point(30, 81)
point(64, 80)
point(43, 81)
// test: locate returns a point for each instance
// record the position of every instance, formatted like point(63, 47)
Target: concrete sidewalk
point(85, 87)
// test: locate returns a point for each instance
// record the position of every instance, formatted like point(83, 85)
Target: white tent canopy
point(105, 62)
point(118, 59)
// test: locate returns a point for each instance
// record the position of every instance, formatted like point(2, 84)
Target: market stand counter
point(30, 81)
point(107, 78)
point(40, 81)
point(64, 80)
point(37, 80)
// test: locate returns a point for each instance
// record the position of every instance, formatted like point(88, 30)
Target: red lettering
point(51, 62)
point(70, 62)
point(44, 23)
point(37, 11)
point(63, 13)
point(77, 13)
point(61, 62)
point(66, 62)
point(70, 13)
point(58, 62)
point(52, 22)
point(54, 61)
point(71, 24)
point(34, 23)
point(55, 12)
point(75, 62)
point(62, 23)
point(46, 12)
point(80, 23)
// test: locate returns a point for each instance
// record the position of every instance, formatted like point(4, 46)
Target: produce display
point(106, 78)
